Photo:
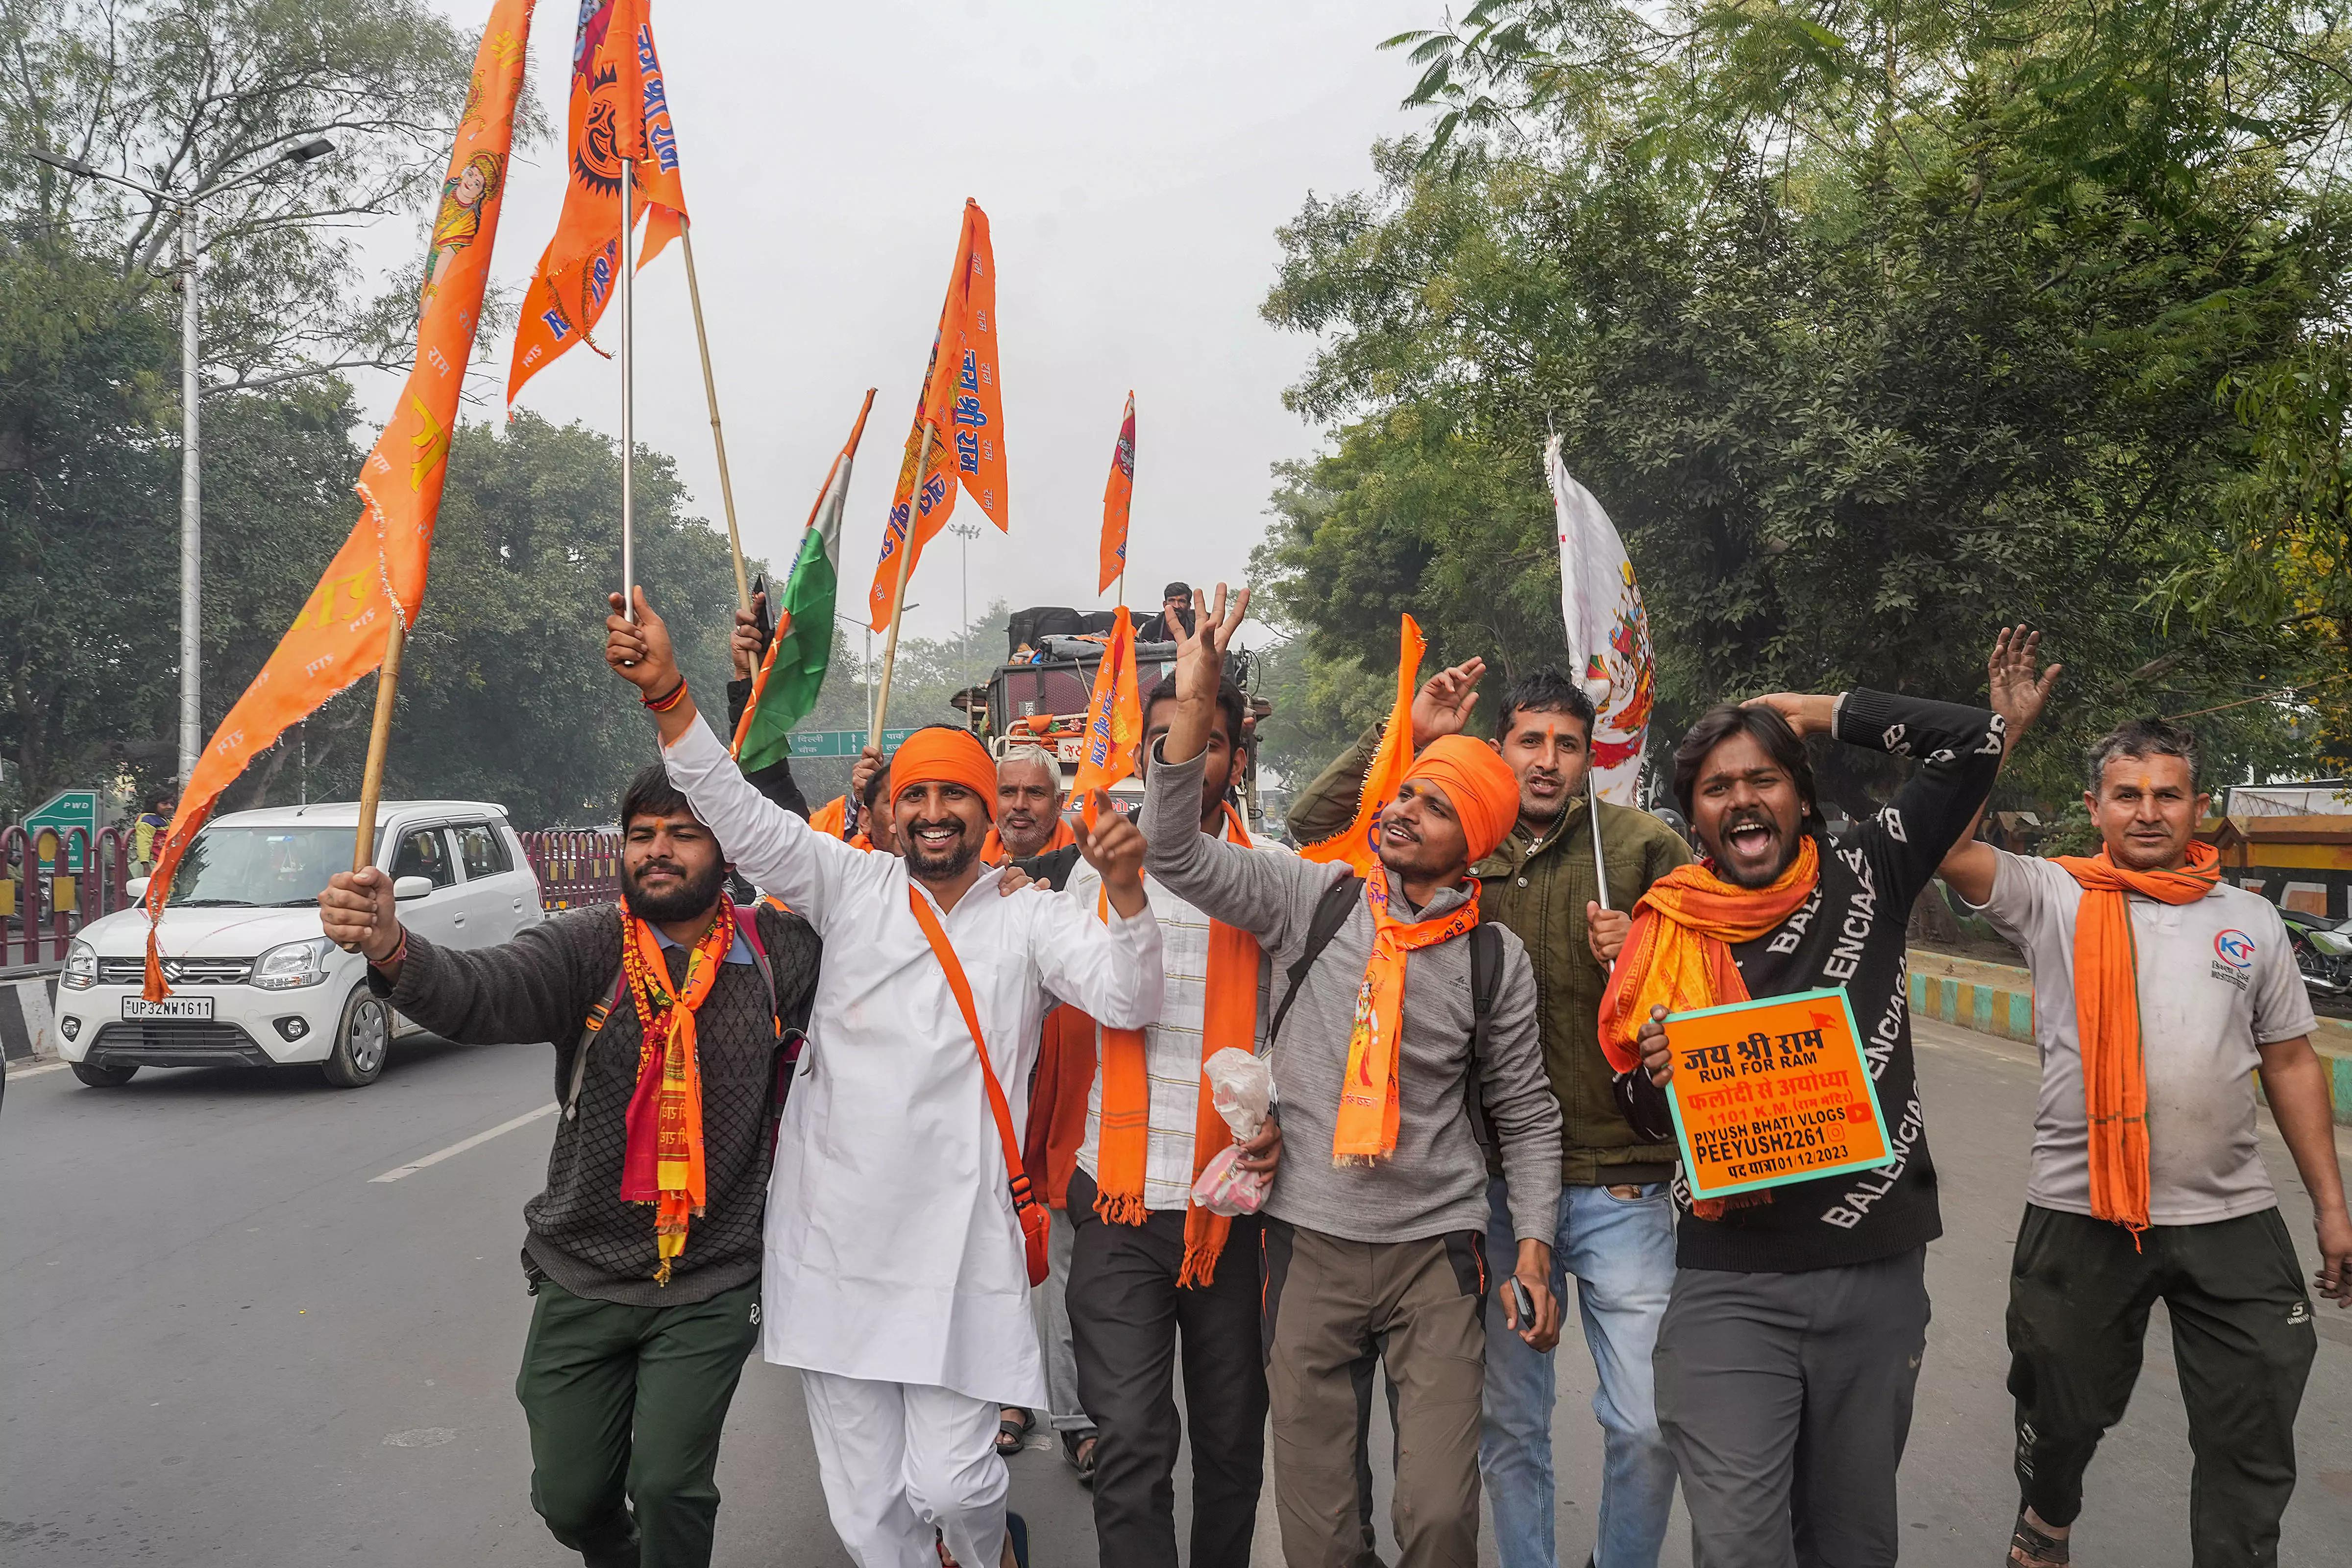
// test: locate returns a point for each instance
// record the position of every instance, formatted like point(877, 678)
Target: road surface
point(230, 1338)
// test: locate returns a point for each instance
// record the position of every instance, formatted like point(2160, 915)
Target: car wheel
point(103, 1078)
point(362, 1037)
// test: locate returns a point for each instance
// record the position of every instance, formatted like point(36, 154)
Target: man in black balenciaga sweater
point(633, 1356)
point(1790, 1351)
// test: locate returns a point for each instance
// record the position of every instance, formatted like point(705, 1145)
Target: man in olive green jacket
point(1616, 1228)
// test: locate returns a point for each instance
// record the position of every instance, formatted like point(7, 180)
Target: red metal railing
point(575, 867)
point(42, 903)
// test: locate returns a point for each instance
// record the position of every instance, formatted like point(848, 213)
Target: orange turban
point(1484, 791)
point(943, 755)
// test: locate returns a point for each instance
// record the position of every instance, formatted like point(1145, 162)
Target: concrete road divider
point(29, 1018)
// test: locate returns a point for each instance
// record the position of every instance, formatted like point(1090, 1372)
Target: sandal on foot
point(2029, 1548)
point(1010, 1434)
point(1079, 1448)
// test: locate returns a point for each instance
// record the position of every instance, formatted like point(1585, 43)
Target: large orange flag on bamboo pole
point(962, 408)
point(1356, 845)
point(1114, 719)
point(1117, 493)
point(340, 632)
point(620, 110)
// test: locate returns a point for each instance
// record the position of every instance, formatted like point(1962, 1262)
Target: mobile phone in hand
point(1523, 1301)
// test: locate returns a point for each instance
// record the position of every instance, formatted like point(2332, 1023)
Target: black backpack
point(1485, 979)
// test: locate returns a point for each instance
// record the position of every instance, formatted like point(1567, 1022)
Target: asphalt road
point(226, 1340)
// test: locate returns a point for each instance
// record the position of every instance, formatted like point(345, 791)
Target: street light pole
point(966, 531)
point(192, 553)
point(191, 508)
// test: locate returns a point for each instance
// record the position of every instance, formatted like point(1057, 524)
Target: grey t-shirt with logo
point(2216, 983)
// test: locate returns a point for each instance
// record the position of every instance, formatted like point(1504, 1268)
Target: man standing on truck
point(1616, 1224)
point(643, 1249)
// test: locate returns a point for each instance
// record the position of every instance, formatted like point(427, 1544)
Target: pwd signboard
point(843, 743)
point(1772, 1091)
point(60, 813)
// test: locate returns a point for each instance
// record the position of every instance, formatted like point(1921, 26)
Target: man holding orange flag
point(2158, 992)
point(902, 1234)
point(1405, 1029)
point(1148, 1265)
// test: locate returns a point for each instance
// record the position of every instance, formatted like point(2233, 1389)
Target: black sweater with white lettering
point(1850, 934)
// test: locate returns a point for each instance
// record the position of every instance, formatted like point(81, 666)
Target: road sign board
point(843, 743)
point(64, 811)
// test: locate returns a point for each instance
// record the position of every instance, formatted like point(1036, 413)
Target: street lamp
point(191, 390)
point(866, 675)
point(967, 532)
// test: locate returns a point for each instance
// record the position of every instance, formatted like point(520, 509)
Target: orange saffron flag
point(1359, 844)
point(1114, 719)
point(620, 111)
point(339, 635)
point(963, 407)
point(1117, 493)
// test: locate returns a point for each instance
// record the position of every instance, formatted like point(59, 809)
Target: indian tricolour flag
point(1608, 631)
point(786, 686)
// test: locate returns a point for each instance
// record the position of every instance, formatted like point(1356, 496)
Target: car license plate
point(170, 1007)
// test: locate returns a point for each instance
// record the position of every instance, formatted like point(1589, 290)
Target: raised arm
point(539, 987)
point(765, 842)
point(2018, 695)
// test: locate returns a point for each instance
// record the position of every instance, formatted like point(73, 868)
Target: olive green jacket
point(1537, 890)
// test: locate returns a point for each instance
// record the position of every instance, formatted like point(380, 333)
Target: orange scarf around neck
point(991, 848)
point(1678, 954)
point(662, 1163)
point(1366, 1130)
point(1230, 1018)
point(2106, 1019)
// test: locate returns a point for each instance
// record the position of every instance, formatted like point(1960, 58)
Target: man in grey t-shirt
point(2217, 998)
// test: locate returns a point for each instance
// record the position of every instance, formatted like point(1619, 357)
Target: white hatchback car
point(252, 979)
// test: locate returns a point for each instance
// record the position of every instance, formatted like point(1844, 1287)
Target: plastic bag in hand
point(1242, 1088)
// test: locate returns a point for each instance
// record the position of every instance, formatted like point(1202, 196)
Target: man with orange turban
point(902, 1235)
point(1401, 1030)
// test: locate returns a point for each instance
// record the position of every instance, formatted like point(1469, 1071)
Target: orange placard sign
point(1772, 1091)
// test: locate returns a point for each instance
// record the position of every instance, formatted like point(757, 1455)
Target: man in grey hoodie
point(1373, 1240)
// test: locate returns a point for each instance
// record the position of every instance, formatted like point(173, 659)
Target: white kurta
point(892, 1250)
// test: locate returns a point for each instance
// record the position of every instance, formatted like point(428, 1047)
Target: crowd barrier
point(576, 867)
point(44, 900)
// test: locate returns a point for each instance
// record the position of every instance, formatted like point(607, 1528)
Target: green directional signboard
point(63, 812)
point(842, 743)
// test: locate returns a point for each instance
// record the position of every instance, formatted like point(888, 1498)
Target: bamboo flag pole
point(1592, 809)
point(387, 687)
point(629, 391)
point(899, 594)
point(718, 436)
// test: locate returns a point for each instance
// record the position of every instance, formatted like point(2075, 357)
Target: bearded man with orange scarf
point(2158, 992)
point(670, 1016)
point(1791, 1344)
point(1373, 1227)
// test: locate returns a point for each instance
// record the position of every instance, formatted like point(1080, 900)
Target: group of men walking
point(926, 1131)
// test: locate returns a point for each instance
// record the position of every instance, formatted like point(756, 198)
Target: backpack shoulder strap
point(1485, 985)
point(1339, 900)
point(588, 1032)
point(747, 923)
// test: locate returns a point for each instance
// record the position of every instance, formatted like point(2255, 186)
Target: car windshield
point(232, 867)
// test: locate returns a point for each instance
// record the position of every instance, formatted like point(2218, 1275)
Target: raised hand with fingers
point(1200, 666)
point(1114, 847)
point(1444, 704)
point(746, 646)
point(2019, 695)
point(357, 912)
point(639, 649)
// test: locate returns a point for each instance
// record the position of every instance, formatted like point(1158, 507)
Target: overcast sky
point(1134, 161)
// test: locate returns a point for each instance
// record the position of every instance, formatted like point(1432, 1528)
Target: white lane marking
point(435, 1158)
point(36, 1072)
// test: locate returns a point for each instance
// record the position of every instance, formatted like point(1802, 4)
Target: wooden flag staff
point(718, 436)
point(899, 594)
point(387, 687)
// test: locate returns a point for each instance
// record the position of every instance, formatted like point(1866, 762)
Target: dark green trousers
point(626, 1405)
point(2242, 1338)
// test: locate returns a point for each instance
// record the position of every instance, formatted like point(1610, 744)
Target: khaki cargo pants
point(1418, 1305)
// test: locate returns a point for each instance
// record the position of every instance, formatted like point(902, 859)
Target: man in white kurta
point(896, 1280)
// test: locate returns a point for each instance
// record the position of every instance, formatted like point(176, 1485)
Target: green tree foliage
point(1874, 327)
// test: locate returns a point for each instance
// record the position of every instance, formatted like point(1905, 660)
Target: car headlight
point(293, 964)
point(81, 966)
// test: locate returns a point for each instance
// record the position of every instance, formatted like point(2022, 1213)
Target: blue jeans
point(1622, 1251)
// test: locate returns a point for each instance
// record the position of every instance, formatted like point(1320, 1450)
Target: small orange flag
point(964, 406)
point(1117, 493)
point(1114, 719)
point(1359, 845)
point(620, 111)
point(339, 636)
